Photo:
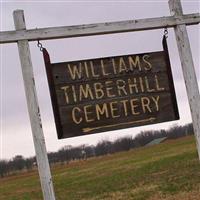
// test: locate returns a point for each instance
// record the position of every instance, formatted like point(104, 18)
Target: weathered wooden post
point(188, 69)
point(33, 108)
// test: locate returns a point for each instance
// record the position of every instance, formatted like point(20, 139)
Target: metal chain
point(40, 46)
point(166, 33)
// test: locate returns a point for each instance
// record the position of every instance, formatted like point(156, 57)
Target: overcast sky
point(16, 136)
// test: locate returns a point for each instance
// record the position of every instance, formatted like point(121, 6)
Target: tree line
point(70, 153)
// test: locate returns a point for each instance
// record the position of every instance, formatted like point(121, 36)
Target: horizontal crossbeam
point(98, 29)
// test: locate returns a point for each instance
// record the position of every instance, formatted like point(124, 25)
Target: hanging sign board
point(103, 94)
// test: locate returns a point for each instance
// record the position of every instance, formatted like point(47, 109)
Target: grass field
point(168, 171)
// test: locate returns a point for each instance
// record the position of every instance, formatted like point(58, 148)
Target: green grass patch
point(163, 170)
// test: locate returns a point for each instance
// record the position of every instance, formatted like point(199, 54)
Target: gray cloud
point(16, 125)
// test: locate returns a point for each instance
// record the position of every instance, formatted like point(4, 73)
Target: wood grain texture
point(111, 93)
point(62, 75)
point(34, 111)
point(188, 69)
point(98, 29)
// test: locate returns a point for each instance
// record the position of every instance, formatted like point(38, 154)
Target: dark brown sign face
point(96, 95)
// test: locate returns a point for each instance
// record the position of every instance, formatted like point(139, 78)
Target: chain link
point(40, 46)
point(166, 32)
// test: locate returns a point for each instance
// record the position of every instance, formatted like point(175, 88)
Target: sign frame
point(55, 105)
point(178, 21)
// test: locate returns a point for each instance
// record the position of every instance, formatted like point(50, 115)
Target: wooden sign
point(103, 94)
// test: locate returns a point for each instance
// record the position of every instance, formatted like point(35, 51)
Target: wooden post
point(34, 112)
point(98, 28)
point(188, 69)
